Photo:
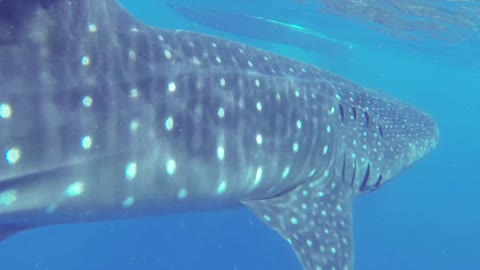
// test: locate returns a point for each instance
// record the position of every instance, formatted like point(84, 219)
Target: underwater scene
point(239, 135)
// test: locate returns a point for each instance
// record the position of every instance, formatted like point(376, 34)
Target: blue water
point(428, 218)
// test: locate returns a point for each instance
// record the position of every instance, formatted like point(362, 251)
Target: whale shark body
point(103, 117)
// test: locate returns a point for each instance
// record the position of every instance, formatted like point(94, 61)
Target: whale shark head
point(103, 117)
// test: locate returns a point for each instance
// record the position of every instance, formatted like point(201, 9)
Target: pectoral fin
point(316, 219)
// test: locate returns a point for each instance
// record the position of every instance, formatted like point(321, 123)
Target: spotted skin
point(103, 117)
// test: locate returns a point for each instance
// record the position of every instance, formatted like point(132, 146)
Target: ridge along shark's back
point(103, 117)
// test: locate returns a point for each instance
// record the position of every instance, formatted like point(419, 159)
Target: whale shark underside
point(103, 117)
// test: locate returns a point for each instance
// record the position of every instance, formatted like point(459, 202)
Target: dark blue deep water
point(428, 218)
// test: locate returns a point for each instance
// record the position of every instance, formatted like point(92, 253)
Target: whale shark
point(103, 117)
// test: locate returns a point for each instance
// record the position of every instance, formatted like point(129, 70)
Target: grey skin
point(103, 117)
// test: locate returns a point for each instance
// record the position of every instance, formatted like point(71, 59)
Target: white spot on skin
point(329, 129)
point(134, 92)
point(167, 54)
point(75, 189)
point(259, 106)
point(132, 55)
point(258, 176)
point(87, 101)
point(259, 139)
point(295, 147)
point(85, 60)
point(222, 82)
point(299, 124)
point(128, 202)
point(220, 152)
point(222, 187)
point(250, 64)
point(286, 172)
point(5, 111)
point(171, 167)
point(294, 220)
point(92, 28)
point(131, 171)
point(134, 126)
point(169, 123)
point(221, 112)
point(267, 218)
point(218, 59)
point(172, 87)
point(325, 149)
point(333, 250)
point(182, 194)
point(257, 83)
point(196, 61)
point(8, 197)
point(87, 142)
point(309, 243)
point(13, 155)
